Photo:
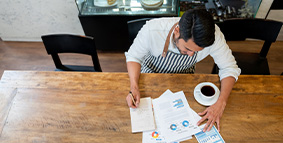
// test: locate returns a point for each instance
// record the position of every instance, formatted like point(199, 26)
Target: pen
point(132, 96)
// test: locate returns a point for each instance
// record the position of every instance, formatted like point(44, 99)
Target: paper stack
point(174, 119)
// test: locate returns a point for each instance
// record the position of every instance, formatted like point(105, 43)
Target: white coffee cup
point(206, 93)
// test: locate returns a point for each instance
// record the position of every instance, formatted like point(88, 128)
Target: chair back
point(238, 29)
point(66, 43)
point(134, 26)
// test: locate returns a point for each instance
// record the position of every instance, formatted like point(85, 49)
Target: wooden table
point(41, 106)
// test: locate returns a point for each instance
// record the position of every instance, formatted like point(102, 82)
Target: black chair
point(65, 43)
point(134, 26)
point(276, 5)
point(238, 30)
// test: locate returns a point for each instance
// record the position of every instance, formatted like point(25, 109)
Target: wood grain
point(40, 115)
point(91, 107)
point(6, 99)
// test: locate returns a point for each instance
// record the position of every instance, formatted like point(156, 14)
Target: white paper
point(196, 116)
point(142, 118)
point(156, 136)
point(174, 116)
point(166, 94)
point(211, 136)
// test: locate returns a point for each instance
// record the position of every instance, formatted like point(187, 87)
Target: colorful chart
point(178, 103)
point(173, 127)
point(155, 134)
point(185, 123)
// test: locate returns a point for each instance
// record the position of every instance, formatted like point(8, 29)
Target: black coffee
point(207, 90)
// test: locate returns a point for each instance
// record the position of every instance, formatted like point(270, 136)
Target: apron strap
point(168, 40)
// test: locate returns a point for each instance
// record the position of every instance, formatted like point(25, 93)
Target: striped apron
point(169, 62)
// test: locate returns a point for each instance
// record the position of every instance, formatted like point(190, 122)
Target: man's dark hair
point(197, 24)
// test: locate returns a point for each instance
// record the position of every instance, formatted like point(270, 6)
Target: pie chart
point(155, 134)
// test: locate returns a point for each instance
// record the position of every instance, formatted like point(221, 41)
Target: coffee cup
point(206, 93)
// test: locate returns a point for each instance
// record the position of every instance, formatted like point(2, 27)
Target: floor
point(33, 56)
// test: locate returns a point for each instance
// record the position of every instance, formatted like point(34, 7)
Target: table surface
point(37, 106)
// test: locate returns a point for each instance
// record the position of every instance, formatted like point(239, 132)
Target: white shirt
point(151, 39)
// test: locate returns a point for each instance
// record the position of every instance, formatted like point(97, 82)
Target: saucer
point(153, 7)
point(100, 3)
point(200, 100)
point(151, 2)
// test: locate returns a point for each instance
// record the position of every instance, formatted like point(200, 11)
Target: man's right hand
point(136, 95)
point(134, 70)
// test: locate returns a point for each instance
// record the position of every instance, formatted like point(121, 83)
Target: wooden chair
point(65, 43)
point(238, 30)
point(134, 26)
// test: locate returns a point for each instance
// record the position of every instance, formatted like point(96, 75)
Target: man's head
point(197, 24)
point(196, 31)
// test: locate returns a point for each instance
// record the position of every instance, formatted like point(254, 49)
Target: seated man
point(175, 45)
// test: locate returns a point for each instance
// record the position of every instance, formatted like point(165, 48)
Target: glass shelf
point(126, 8)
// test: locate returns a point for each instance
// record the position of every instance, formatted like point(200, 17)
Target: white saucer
point(200, 100)
point(152, 7)
point(103, 3)
point(151, 2)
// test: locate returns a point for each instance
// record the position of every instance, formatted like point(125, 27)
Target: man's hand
point(134, 70)
point(213, 115)
point(136, 95)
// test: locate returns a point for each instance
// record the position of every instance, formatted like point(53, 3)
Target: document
point(156, 136)
point(142, 118)
point(174, 116)
point(176, 122)
point(212, 136)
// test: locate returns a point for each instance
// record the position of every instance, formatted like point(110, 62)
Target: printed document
point(156, 136)
point(176, 122)
point(212, 136)
point(174, 116)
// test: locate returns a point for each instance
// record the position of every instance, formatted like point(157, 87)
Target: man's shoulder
point(217, 29)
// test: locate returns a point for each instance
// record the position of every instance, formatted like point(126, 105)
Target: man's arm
point(134, 69)
point(215, 111)
point(228, 73)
